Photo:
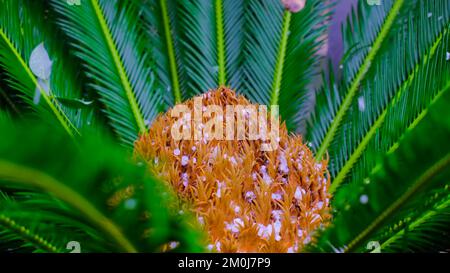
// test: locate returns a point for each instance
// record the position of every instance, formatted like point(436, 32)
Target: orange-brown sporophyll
point(246, 199)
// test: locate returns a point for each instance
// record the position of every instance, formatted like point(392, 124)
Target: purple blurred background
point(341, 11)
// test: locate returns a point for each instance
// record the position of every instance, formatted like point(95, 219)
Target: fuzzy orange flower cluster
point(246, 199)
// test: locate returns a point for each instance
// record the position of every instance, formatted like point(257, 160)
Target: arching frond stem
point(354, 87)
point(171, 52)
point(220, 42)
point(28, 236)
point(278, 73)
point(140, 121)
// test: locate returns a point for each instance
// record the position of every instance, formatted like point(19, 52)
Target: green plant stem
point(171, 53)
point(276, 86)
point(140, 121)
point(220, 42)
point(359, 77)
point(27, 235)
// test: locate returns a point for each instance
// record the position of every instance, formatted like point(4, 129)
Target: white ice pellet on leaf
point(173, 245)
point(277, 196)
point(364, 199)
point(40, 63)
point(361, 104)
point(266, 177)
point(130, 204)
point(184, 160)
point(185, 179)
point(237, 209)
point(220, 185)
point(176, 152)
point(250, 196)
point(277, 229)
point(218, 245)
point(283, 167)
point(277, 214)
point(264, 231)
point(233, 160)
point(319, 205)
point(298, 193)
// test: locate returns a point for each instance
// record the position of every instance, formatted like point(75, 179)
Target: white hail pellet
point(184, 160)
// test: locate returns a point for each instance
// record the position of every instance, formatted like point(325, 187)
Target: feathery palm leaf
point(416, 69)
point(243, 44)
point(159, 18)
point(102, 190)
point(22, 29)
point(371, 35)
point(198, 35)
point(417, 166)
point(51, 230)
point(109, 38)
point(280, 55)
point(422, 228)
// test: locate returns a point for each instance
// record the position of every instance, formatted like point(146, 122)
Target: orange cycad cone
point(247, 200)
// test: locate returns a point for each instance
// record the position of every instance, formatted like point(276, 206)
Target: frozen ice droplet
point(184, 160)
point(364, 199)
point(40, 63)
point(130, 204)
point(361, 104)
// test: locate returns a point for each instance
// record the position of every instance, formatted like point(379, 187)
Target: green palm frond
point(108, 38)
point(256, 47)
point(371, 36)
point(12, 232)
point(198, 38)
point(50, 230)
point(198, 45)
point(22, 29)
point(161, 25)
point(417, 166)
point(402, 82)
point(234, 34)
point(280, 54)
point(422, 228)
point(94, 184)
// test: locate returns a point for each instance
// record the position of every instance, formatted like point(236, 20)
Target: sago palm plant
point(83, 84)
